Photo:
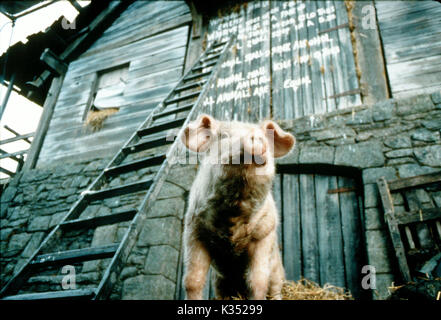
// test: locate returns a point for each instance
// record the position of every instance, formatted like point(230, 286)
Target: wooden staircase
point(152, 139)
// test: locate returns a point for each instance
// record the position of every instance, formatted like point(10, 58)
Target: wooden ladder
point(180, 104)
point(399, 223)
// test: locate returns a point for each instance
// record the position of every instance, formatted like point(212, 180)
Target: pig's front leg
point(259, 275)
point(198, 262)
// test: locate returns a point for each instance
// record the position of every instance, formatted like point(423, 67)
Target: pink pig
point(231, 219)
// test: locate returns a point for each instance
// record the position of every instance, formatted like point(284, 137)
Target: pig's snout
point(255, 145)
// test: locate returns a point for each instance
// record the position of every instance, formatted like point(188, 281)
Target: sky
point(21, 114)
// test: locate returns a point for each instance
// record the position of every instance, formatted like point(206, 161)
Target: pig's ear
point(283, 141)
point(199, 133)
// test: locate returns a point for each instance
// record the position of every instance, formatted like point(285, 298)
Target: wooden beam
point(62, 294)
point(77, 255)
point(13, 154)
point(5, 171)
point(17, 138)
point(16, 133)
point(392, 224)
point(416, 181)
point(43, 125)
point(422, 215)
point(53, 62)
point(370, 59)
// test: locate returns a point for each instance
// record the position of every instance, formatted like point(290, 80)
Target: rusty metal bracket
point(340, 26)
point(345, 93)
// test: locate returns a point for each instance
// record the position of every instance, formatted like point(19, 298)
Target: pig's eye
point(224, 136)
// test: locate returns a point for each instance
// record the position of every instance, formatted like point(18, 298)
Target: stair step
point(77, 255)
point(98, 221)
point(135, 165)
point(173, 111)
point(161, 127)
point(118, 191)
point(190, 86)
point(157, 142)
point(200, 75)
point(208, 65)
point(178, 99)
point(65, 294)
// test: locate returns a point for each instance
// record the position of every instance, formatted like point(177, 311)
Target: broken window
point(107, 96)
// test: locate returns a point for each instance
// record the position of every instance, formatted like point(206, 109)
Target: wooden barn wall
point(411, 35)
point(292, 59)
point(151, 36)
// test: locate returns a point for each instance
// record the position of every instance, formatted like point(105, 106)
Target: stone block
point(398, 142)
point(410, 170)
point(18, 241)
point(362, 155)
point(8, 194)
point(374, 219)
point(335, 133)
point(371, 175)
point(39, 223)
point(399, 153)
point(168, 207)
point(148, 287)
point(371, 196)
point(383, 110)
point(317, 155)
point(162, 260)
point(429, 156)
point(413, 105)
point(360, 117)
point(425, 135)
point(161, 231)
point(170, 190)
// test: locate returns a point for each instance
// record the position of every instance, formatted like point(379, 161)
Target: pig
point(231, 219)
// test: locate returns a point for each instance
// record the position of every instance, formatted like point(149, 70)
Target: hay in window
point(96, 117)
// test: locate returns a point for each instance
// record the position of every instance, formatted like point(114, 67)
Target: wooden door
point(321, 230)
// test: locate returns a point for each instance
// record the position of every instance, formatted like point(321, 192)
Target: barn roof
point(32, 75)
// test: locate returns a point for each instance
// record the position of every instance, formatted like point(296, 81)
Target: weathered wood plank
point(351, 229)
point(332, 266)
point(311, 267)
point(420, 215)
point(416, 181)
point(292, 236)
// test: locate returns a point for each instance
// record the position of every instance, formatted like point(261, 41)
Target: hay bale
point(305, 289)
point(96, 117)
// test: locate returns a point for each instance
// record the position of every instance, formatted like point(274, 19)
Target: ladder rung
point(118, 191)
point(200, 75)
point(77, 255)
point(218, 45)
point(172, 111)
point(210, 58)
point(204, 66)
point(157, 142)
point(98, 221)
point(178, 99)
point(161, 127)
point(135, 165)
point(190, 86)
point(64, 294)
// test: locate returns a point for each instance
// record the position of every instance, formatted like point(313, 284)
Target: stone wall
point(33, 203)
point(394, 139)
